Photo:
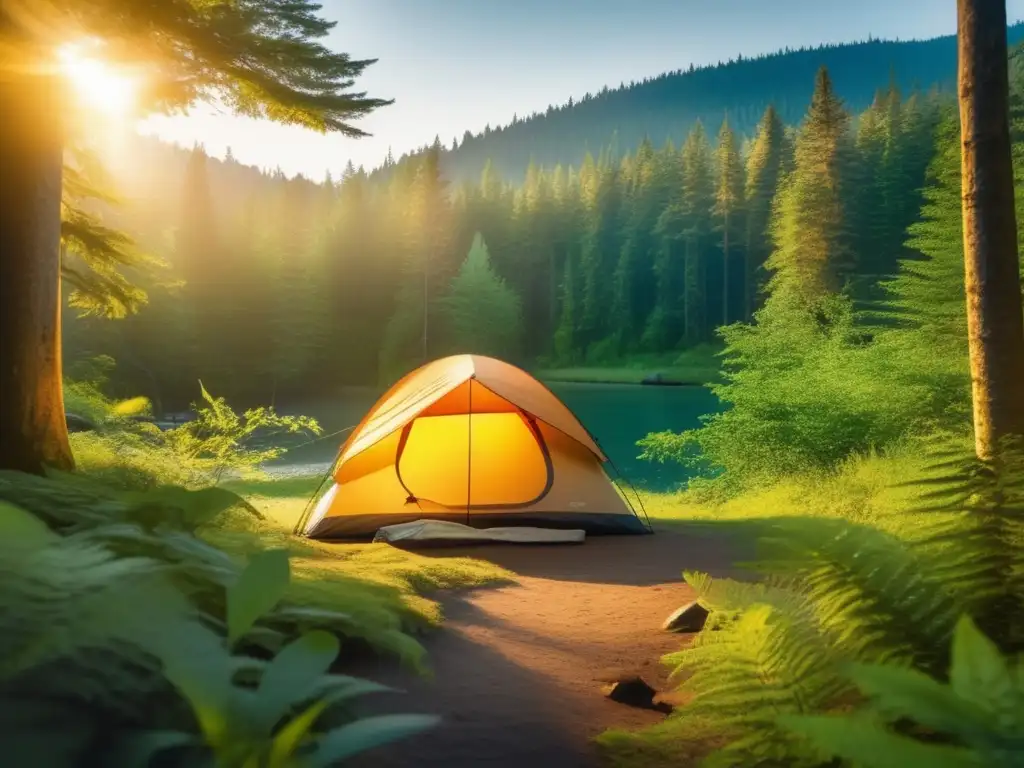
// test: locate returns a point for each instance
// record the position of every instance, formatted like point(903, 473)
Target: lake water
point(616, 414)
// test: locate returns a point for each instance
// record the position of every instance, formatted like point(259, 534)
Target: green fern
point(837, 593)
point(168, 526)
point(979, 714)
point(767, 658)
point(100, 627)
point(976, 535)
point(876, 595)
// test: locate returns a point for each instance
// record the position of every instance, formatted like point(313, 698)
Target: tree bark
point(33, 431)
point(995, 322)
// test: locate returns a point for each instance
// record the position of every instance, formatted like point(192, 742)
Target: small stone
point(690, 618)
point(632, 691)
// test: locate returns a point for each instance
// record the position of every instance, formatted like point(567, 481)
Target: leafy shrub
point(801, 394)
point(108, 658)
point(218, 443)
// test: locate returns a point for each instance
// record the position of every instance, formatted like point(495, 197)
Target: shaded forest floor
point(530, 636)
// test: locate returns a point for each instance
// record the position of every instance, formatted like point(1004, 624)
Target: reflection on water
point(616, 414)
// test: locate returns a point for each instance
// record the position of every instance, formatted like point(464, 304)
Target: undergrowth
point(874, 563)
point(123, 633)
point(149, 611)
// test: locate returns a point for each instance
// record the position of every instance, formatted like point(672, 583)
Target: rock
point(632, 691)
point(689, 618)
point(653, 378)
point(78, 423)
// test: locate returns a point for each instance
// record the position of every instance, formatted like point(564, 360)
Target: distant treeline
point(667, 106)
point(281, 289)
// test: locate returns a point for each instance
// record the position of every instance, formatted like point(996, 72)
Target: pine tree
point(664, 329)
point(263, 58)
point(601, 211)
point(764, 172)
point(813, 253)
point(482, 314)
point(102, 265)
point(198, 261)
point(360, 278)
point(564, 232)
point(729, 209)
point(536, 269)
point(634, 285)
point(697, 203)
point(924, 305)
point(427, 266)
point(867, 220)
point(566, 345)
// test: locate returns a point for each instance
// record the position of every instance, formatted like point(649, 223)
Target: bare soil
point(518, 670)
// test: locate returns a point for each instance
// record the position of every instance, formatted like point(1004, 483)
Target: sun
point(96, 83)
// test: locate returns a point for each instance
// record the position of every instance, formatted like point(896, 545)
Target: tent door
point(474, 461)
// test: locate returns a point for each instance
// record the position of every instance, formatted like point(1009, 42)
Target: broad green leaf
point(868, 745)
point(197, 664)
point(348, 740)
point(292, 733)
point(259, 588)
point(23, 528)
point(196, 506)
point(337, 688)
point(909, 693)
point(978, 673)
point(137, 750)
point(290, 678)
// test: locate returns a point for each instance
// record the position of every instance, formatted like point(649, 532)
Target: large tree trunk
point(994, 318)
point(33, 432)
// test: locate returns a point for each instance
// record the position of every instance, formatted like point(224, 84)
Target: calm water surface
point(616, 414)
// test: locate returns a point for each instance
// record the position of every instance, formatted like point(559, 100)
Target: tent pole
point(469, 452)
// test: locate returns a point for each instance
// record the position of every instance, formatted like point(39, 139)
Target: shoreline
point(629, 383)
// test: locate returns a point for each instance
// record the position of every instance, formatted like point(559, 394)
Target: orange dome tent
point(472, 440)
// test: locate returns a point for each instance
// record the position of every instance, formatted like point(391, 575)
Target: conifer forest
point(299, 471)
point(635, 249)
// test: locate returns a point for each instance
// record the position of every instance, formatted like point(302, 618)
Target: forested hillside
point(666, 106)
point(311, 286)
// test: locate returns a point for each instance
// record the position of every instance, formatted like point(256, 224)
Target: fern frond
point(874, 593)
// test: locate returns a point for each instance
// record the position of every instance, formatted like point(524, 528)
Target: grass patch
point(290, 488)
point(403, 579)
point(697, 366)
point(872, 489)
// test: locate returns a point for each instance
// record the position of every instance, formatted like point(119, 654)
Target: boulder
point(652, 378)
point(78, 423)
point(690, 618)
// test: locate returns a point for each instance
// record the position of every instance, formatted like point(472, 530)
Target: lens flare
point(96, 83)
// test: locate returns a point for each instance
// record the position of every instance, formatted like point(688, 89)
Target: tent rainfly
point(470, 440)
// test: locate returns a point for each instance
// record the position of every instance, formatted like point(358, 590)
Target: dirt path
point(519, 669)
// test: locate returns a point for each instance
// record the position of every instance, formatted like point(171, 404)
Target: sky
point(457, 65)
